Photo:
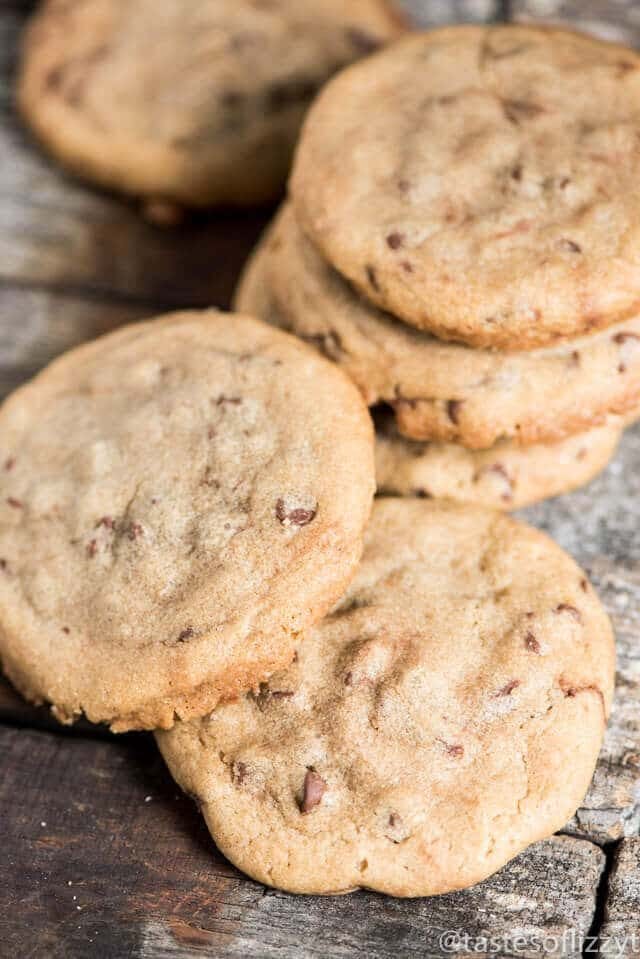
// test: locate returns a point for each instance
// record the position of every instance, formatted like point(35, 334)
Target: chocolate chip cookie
point(442, 391)
point(481, 183)
point(507, 476)
point(191, 104)
point(447, 713)
point(178, 500)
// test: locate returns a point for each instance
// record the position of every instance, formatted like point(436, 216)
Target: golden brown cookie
point(507, 476)
point(178, 500)
point(481, 183)
point(442, 391)
point(191, 104)
point(447, 713)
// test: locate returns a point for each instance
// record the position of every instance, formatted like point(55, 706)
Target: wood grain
point(148, 882)
point(108, 859)
point(611, 19)
point(620, 932)
point(434, 13)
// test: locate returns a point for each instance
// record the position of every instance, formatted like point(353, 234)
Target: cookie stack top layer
point(447, 713)
point(176, 100)
point(177, 501)
point(482, 183)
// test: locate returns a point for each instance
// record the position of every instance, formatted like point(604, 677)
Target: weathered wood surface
point(106, 858)
point(433, 13)
point(620, 932)
point(612, 19)
point(148, 883)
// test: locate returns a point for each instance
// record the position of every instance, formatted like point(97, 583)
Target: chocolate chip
point(453, 749)
point(15, 503)
point(516, 172)
point(406, 266)
point(571, 610)
point(296, 516)
point(453, 410)
point(3, 565)
point(238, 773)
point(66, 630)
point(570, 690)
point(186, 634)
point(509, 688)
point(10, 463)
point(532, 644)
point(92, 548)
point(396, 830)
point(362, 41)
point(584, 585)
point(622, 338)
point(395, 241)
point(267, 695)
point(314, 789)
point(623, 67)
point(517, 110)
point(372, 278)
point(574, 358)
point(404, 186)
point(53, 79)
point(570, 245)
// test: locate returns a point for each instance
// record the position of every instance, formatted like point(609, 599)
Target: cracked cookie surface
point(506, 476)
point(447, 712)
point(194, 104)
point(178, 500)
point(440, 391)
point(482, 182)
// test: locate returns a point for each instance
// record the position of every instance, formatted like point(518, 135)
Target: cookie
point(178, 500)
point(481, 183)
point(442, 391)
point(186, 104)
point(447, 713)
point(507, 476)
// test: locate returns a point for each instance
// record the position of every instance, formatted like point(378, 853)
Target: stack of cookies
point(399, 695)
point(183, 505)
point(462, 239)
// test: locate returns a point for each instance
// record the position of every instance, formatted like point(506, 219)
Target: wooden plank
point(620, 932)
point(54, 231)
point(37, 325)
point(619, 20)
point(434, 13)
point(102, 856)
